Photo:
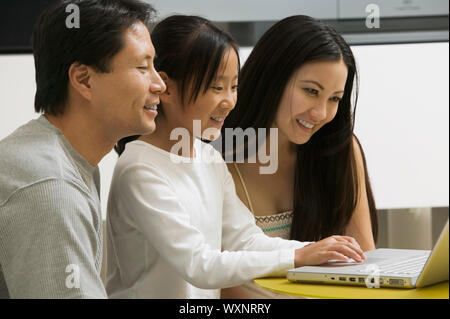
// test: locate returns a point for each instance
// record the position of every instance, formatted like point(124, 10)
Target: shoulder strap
point(245, 188)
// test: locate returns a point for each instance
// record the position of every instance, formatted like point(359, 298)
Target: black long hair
point(189, 49)
point(326, 181)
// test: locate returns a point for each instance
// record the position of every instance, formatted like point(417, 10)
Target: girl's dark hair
point(95, 42)
point(189, 49)
point(326, 182)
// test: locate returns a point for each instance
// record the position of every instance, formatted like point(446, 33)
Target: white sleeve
point(240, 232)
point(165, 223)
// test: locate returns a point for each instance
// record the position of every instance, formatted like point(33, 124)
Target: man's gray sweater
point(50, 217)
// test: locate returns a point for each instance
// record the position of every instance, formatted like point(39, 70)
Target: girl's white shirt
point(177, 229)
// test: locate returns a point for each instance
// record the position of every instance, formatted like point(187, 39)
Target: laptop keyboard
point(410, 266)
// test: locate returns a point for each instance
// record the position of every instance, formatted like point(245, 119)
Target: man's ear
point(79, 78)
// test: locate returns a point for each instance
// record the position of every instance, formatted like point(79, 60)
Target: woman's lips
point(302, 124)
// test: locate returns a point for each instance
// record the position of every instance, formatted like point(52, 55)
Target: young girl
point(299, 79)
point(175, 226)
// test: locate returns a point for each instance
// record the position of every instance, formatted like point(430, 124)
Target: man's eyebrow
point(146, 56)
point(319, 85)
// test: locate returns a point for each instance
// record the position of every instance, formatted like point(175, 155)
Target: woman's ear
point(166, 80)
point(167, 96)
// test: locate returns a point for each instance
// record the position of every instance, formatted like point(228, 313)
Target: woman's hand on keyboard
point(335, 247)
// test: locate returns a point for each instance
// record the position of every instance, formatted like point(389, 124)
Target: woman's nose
point(319, 112)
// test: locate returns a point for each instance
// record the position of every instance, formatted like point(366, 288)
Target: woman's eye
point(143, 67)
point(311, 91)
point(336, 99)
point(235, 87)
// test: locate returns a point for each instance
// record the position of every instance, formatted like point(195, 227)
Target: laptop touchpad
point(351, 262)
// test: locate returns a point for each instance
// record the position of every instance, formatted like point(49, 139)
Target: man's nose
point(157, 85)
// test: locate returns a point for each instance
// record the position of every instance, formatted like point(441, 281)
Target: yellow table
point(283, 286)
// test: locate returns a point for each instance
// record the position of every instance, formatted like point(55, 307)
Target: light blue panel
point(247, 10)
point(351, 9)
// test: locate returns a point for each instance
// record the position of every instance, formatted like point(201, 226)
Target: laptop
point(395, 268)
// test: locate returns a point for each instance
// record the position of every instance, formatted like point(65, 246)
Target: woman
point(175, 226)
point(299, 79)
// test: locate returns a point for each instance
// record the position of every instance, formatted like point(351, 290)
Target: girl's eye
point(217, 88)
point(311, 91)
point(235, 87)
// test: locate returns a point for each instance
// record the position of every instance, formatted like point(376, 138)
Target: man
point(95, 84)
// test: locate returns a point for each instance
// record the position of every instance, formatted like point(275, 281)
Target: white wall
point(402, 119)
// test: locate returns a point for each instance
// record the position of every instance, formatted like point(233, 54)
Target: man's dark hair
point(97, 40)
